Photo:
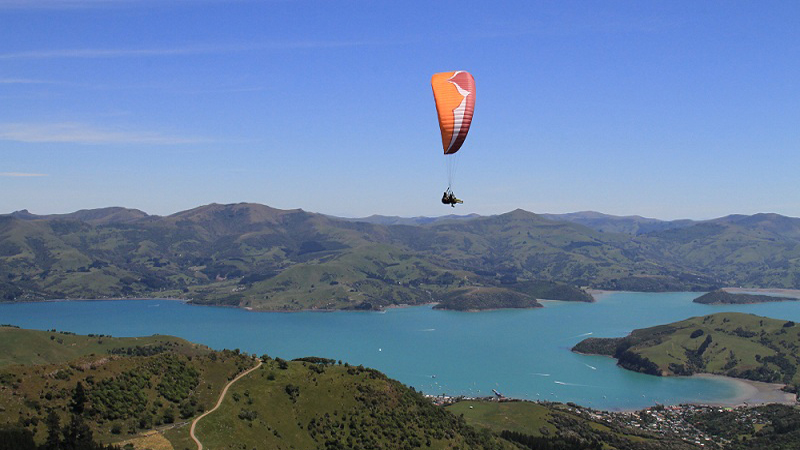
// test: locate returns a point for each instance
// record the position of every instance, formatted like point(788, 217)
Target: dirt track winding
point(219, 402)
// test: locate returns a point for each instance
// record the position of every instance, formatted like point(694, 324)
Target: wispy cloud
point(24, 81)
point(85, 134)
point(49, 4)
point(20, 174)
point(84, 4)
point(95, 53)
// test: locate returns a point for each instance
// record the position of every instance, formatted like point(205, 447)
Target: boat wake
point(571, 384)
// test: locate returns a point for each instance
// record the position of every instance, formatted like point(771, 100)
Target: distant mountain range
point(254, 256)
point(620, 224)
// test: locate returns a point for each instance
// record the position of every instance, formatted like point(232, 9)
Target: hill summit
point(255, 256)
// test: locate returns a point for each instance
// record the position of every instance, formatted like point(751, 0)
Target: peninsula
point(732, 344)
point(720, 297)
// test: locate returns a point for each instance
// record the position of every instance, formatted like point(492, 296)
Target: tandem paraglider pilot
point(454, 94)
point(450, 199)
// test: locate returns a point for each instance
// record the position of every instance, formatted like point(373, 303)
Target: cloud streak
point(50, 4)
point(23, 81)
point(21, 174)
point(77, 133)
point(98, 53)
point(85, 4)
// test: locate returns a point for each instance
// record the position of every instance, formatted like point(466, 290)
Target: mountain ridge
point(255, 256)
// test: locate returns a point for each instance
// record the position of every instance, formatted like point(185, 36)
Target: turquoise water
point(521, 353)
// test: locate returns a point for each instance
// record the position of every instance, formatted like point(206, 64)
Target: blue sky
point(663, 109)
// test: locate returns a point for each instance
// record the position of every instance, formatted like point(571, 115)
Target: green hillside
point(720, 296)
point(18, 346)
point(768, 427)
point(120, 386)
point(254, 256)
point(483, 298)
point(619, 224)
point(310, 406)
point(732, 344)
point(560, 426)
point(124, 389)
point(144, 393)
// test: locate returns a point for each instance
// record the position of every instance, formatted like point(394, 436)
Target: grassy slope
point(739, 345)
point(357, 408)
point(256, 256)
point(524, 417)
point(549, 420)
point(482, 298)
point(28, 382)
point(18, 346)
point(723, 297)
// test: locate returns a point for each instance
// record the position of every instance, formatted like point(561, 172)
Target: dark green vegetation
point(254, 256)
point(143, 384)
point(138, 385)
point(722, 297)
point(477, 298)
point(733, 344)
point(558, 426)
point(18, 346)
point(332, 406)
point(770, 427)
point(544, 426)
point(75, 435)
point(620, 224)
point(518, 295)
point(117, 386)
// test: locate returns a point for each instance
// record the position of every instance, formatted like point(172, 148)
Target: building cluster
point(673, 421)
point(676, 422)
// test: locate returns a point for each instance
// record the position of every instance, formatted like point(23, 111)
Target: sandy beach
point(597, 294)
point(753, 393)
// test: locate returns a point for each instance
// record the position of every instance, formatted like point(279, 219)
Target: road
point(219, 402)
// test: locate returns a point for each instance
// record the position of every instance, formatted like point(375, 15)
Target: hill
point(18, 346)
point(607, 223)
point(254, 256)
point(397, 220)
point(310, 403)
point(309, 406)
point(144, 392)
point(478, 299)
point(559, 426)
point(732, 344)
point(720, 296)
point(118, 386)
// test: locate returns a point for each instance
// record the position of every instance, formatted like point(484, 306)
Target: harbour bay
point(520, 353)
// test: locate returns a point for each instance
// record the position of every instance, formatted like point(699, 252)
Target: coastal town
point(705, 426)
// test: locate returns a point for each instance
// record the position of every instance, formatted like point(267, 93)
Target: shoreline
point(791, 293)
point(110, 299)
point(596, 294)
point(751, 393)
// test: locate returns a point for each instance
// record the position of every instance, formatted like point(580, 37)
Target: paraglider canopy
point(454, 93)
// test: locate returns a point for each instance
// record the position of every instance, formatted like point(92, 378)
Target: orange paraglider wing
point(454, 93)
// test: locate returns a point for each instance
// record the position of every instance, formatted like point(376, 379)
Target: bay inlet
point(520, 353)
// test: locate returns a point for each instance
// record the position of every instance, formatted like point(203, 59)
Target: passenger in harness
point(450, 199)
